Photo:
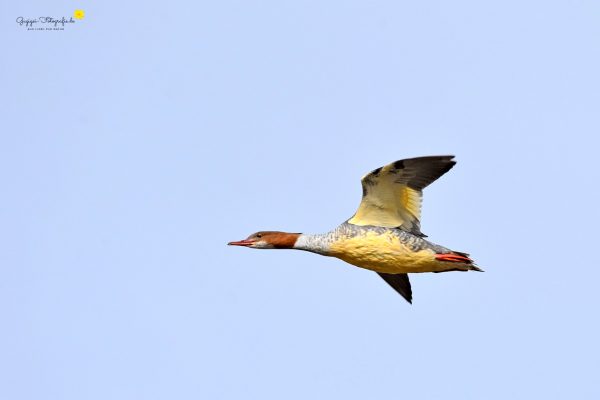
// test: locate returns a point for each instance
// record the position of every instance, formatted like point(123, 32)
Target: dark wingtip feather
point(400, 283)
point(425, 170)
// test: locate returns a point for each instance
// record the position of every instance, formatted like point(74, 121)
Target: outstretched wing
point(392, 194)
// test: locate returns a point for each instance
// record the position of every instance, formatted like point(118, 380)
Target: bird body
point(379, 249)
point(384, 235)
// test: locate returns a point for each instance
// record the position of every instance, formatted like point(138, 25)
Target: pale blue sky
point(139, 141)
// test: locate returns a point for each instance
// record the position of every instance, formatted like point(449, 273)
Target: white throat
point(314, 243)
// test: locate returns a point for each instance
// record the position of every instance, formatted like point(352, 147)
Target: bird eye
point(259, 235)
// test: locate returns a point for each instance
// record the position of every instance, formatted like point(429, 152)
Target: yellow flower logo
point(78, 14)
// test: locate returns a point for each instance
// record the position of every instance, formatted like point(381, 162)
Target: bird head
point(268, 240)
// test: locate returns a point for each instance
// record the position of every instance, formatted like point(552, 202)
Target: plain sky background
point(136, 143)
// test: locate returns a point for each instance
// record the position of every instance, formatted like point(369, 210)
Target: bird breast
point(381, 252)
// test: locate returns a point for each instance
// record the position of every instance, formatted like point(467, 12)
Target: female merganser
point(384, 235)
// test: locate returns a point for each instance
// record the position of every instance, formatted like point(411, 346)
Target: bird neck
point(315, 243)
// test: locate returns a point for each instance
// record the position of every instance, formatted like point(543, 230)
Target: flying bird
point(384, 235)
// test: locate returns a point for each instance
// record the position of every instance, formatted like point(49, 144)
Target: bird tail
point(458, 257)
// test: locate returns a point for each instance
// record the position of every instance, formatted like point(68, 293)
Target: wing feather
point(400, 283)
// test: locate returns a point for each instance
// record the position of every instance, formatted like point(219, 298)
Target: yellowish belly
point(384, 253)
